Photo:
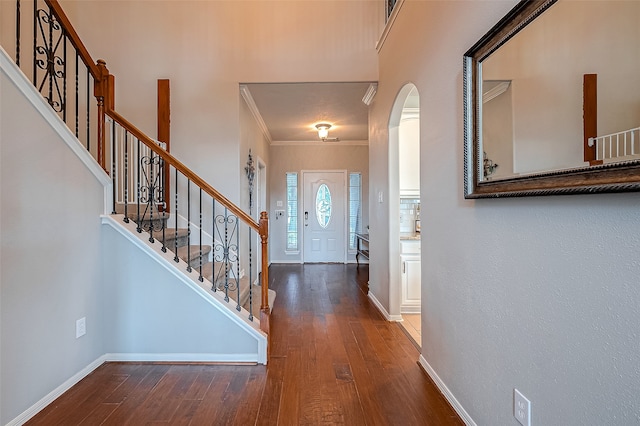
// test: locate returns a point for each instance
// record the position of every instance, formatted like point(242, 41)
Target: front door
point(324, 216)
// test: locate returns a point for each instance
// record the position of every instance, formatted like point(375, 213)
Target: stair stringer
point(178, 269)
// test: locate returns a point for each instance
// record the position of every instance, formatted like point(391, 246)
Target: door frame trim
point(345, 206)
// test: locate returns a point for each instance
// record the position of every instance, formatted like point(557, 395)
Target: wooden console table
point(362, 246)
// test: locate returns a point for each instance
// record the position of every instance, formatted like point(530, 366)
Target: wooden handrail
point(74, 38)
point(170, 159)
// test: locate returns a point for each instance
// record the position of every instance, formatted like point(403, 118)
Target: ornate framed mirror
point(552, 101)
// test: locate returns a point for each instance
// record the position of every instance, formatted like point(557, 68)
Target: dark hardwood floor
point(334, 360)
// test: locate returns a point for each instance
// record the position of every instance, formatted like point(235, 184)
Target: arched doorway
point(404, 197)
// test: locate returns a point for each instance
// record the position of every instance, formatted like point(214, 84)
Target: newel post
point(264, 306)
point(104, 96)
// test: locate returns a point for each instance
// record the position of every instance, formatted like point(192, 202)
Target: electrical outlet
point(81, 327)
point(521, 408)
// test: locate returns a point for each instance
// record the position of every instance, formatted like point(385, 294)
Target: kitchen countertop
point(410, 237)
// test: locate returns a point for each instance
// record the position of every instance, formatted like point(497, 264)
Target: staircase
point(145, 176)
point(201, 259)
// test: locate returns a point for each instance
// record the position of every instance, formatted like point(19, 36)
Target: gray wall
point(539, 294)
point(50, 261)
point(295, 158)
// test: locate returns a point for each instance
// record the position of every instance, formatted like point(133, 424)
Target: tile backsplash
point(409, 214)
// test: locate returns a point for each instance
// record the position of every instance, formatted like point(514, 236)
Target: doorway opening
point(405, 285)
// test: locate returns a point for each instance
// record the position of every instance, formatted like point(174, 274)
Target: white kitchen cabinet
point(411, 283)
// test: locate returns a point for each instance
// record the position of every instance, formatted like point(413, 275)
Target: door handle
point(306, 218)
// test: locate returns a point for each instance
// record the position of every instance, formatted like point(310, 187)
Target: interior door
point(324, 216)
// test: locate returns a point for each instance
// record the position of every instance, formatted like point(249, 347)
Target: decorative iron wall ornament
point(250, 170)
point(488, 165)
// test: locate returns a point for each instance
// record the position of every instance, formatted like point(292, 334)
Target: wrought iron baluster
point(162, 206)
point(64, 77)
point(35, 39)
point(150, 194)
point(138, 200)
point(201, 262)
point(175, 212)
point(226, 255)
point(189, 225)
point(163, 203)
point(237, 258)
point(250, 274)
point(77, 91)
point(18, 33)
point(214, 278)
point(113, 165)
point(126, 176)
point(88, 110)
point(49, 59)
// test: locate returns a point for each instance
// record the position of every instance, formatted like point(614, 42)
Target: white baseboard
point(410, 309)
point(177, 357)
point(466, 418)
point(382, 309)
point(26, 415)
point(51, 396)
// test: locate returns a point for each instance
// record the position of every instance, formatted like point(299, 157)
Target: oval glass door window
point(323, 205)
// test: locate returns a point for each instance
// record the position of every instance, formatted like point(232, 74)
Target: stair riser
point(171, 242)
point(196, 260)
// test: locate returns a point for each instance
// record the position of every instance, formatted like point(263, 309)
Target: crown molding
point(498, 90)
point(246, 95)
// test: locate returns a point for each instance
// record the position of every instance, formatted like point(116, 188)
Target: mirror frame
point(611, 177)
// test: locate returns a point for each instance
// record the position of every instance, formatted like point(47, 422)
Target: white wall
point(295, 158)
point(50, 261)
point(538, 294)
point(207, 47)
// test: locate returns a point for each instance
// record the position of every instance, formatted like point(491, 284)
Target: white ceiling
point(289, 111)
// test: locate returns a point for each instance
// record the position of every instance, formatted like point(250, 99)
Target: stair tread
point(147, 217)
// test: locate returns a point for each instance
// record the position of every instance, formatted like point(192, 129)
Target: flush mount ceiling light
point(323, 132)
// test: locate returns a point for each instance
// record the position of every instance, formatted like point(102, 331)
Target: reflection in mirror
point(536, 124)
point(554, 89)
